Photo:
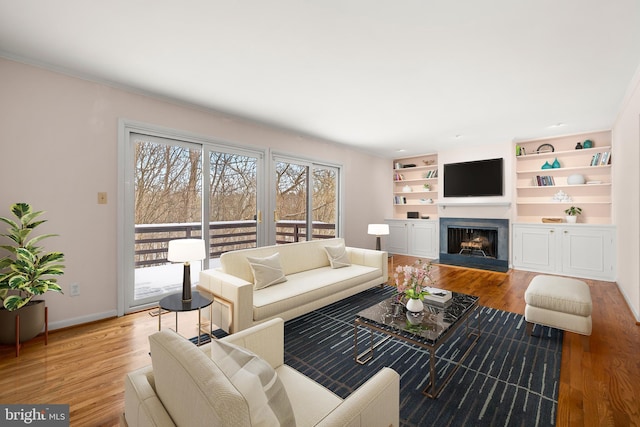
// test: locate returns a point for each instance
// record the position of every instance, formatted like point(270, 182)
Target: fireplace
point(475, 242)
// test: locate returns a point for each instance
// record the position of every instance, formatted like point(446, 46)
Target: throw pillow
point(337, 256)
point(257, 381)
point(266, 271)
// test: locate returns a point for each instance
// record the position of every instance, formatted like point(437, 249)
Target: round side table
point(174, 303)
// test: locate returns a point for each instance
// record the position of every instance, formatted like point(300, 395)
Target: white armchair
point(185, 387)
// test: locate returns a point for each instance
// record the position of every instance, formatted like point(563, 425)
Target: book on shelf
point(398, 177)
point(601, 159)
point(399, 200)
point(544, 181)
point(431, 174)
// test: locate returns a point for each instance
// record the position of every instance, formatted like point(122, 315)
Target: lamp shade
point(185, 250)
point(378, 229)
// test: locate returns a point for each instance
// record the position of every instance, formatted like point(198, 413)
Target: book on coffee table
point(438, 296)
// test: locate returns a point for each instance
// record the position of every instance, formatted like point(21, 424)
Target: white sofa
point(186, 386)
point(310, 283)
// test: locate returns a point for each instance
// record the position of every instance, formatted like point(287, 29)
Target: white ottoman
point(559, 302)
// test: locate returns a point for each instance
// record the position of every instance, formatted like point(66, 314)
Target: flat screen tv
point(479, 178)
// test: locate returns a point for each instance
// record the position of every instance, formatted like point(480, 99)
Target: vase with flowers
point(412, 282)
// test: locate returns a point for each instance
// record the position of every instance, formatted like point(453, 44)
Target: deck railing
point(151, 241)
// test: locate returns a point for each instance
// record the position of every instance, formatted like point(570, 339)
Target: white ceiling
point(382, 75)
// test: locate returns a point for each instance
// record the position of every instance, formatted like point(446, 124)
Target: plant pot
point(31, 322)
point(572, 219)
point(415, 305)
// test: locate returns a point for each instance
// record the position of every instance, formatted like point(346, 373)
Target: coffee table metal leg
point(366, 355)
point(431, 390)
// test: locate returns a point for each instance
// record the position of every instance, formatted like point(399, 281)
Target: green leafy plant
point(27, 271)
point(573, 211)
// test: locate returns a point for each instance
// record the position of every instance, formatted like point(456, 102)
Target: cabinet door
point(534, 248)
point(423, 238)
point(397, 242)
point(588, 253)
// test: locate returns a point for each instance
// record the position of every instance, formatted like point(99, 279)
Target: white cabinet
point(423, 239)
point(413, 237)
point(578, 250)
point(534, 248)
point(398, 239)
point(588, 252)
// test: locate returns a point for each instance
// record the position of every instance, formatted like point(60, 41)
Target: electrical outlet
point(74, 289)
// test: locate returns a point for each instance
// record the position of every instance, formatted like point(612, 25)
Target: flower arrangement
point(412, 280)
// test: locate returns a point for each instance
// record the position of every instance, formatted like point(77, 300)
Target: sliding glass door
point(168, 205)
point(181, 187)
point(306, 198)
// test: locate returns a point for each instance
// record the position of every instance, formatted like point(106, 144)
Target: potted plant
point(414, 283)
point(27, 271)
point(572, 213)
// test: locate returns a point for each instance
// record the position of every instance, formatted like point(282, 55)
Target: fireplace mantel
point(477, 204)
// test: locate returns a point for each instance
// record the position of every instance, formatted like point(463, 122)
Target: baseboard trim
point(82, 319)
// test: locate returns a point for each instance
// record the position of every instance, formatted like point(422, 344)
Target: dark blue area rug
point(508, 379)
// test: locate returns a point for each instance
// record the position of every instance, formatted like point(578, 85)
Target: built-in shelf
point(415, 178)
point(528, 187)
point(415, 192)
point(534, 202)
point(573, 202)
point(562, 170)
point(562, 153)
point(397, 181)
point(415, 168)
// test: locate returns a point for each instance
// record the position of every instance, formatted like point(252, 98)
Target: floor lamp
point(378, 230)
point(186, 250)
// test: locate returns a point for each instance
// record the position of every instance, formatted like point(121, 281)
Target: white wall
point(59, 149)
point(626, 195)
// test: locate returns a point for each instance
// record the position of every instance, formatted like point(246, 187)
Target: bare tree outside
point(233, 202)
point(233, 182)
point(325, 181)
point(167, 184)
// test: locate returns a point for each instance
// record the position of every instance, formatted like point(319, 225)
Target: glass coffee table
point(429, 329)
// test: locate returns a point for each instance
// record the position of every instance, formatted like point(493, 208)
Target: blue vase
point(587, 144)
point(546, 165)
point(555, 164)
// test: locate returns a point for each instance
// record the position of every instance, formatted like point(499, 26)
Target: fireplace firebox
point(475, 242)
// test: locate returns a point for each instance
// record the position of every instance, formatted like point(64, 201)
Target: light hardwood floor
point(84, 366)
